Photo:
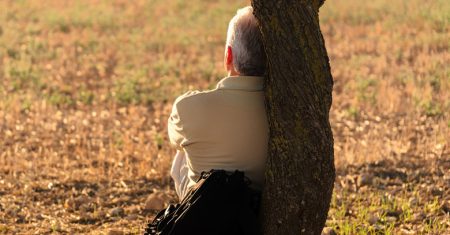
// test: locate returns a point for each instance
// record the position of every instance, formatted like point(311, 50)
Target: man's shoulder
point(187, 97)
point(193, 106)
point(195, 98)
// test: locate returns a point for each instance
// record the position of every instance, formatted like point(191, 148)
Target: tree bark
point(300, 170)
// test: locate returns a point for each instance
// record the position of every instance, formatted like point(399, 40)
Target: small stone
point(134, 209)
point(328, 231)
point(115, 219)
point(99, 214)
point(117, 212)
point(154, 202)
point(391, 219)
point(446, 206)
point(378, 227)
point(132, 217)
point(394, 213)
point(75, 203)
point(435, 191)
point(88, 192)
point(69, 204)
point(373, 219)
point(88, 207)
point(419, 216)
point(115, 232)
point(404, 231)
point(81, 200)
point(446, 178)
point(56, 226)
point(413, 201)
point(12, 211)
point(20, 219)
point(86, 218)
point(364, 179)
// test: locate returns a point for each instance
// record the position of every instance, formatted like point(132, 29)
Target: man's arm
point(179, 122)
point(183, 120)
point(179, 173)
point(175, 128)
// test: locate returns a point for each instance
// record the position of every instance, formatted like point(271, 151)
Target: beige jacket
point(225, 128)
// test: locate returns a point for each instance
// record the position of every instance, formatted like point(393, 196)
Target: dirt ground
point(407, 194)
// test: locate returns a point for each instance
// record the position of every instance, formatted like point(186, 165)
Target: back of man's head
point(245, 40)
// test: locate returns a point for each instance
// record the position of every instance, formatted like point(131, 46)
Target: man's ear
point(229, 58)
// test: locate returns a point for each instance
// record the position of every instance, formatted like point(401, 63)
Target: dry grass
point(86, 88)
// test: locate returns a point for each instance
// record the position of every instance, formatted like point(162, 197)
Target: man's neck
point(233, 73)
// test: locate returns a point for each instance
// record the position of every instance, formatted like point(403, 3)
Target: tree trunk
point(300, 170)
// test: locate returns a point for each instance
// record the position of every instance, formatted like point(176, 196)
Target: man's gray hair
point(244, 37)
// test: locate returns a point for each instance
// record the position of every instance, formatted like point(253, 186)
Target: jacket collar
point(247, 83)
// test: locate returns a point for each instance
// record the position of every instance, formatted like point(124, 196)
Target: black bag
point(220, 203)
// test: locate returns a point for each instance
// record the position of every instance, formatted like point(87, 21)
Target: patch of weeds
point(59, 98)
point(12, 53)
point(59, 22)
point(85, 96)
point(346, 228)
point(159, 91)
point(37, 50)
point(431, 207)
point(22, 70)
point(91, 46)
point(437, 15)
point(159, 140)
point(153, 46)
point(163, 67)
point(435, 83)
point(366, 91)
point(389, 229)
point(33, 30)
point(25, 105)
point(360, 18)
point(4, 229)
point(117, 139)
point(431, 108)
point(63, 26)
point(389, 203)
point(407, 213)
point(434, 226)
point(10, 16)
point(207, 70)
point(24, 77)
point(404, 78)
point(139, 89)
point(341, 211)
point(127, 92)
point(82, 16)
point(352, 112)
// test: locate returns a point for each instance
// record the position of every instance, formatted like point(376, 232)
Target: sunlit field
point(86, 88)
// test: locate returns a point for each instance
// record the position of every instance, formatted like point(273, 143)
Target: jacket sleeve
point(175, 128)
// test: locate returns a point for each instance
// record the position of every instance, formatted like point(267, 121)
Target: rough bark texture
point(300, 172)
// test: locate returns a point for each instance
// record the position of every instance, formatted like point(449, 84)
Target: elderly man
point(225, 128)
